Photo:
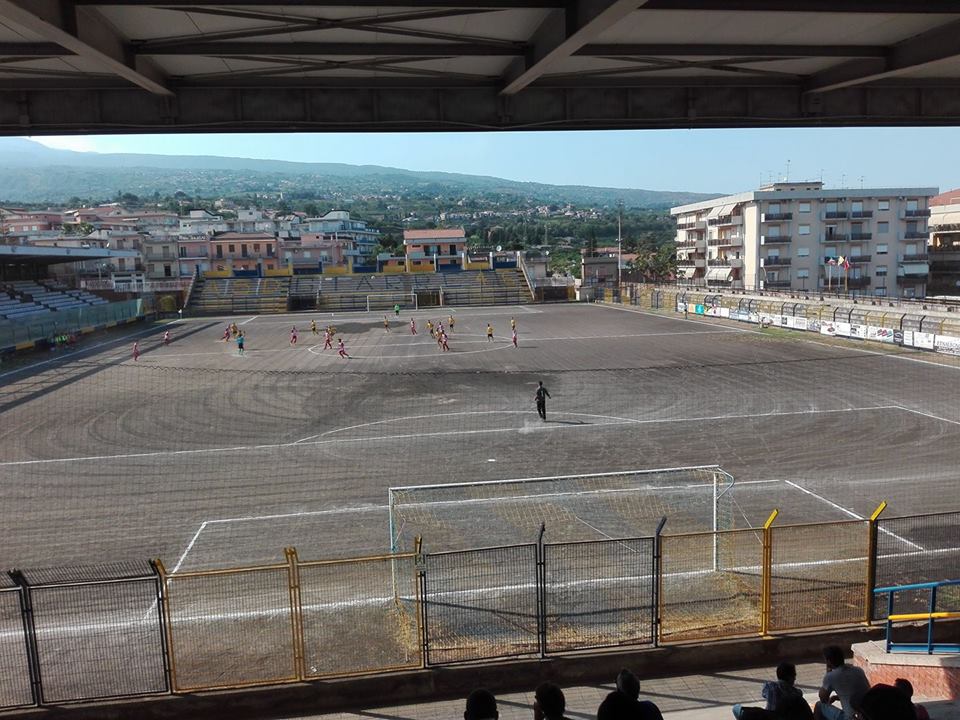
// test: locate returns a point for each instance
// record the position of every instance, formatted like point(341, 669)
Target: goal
point(623, 504)
point(387, 301)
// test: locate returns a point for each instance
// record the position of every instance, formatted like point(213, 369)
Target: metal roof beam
point(905, 7)
point(348, 49)
point(85, 33)
point(937, 45)
point(458, 4)
point(32, 49)
point(561, 34)
point(729, 50)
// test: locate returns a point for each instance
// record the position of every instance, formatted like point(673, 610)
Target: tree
point(311, 209)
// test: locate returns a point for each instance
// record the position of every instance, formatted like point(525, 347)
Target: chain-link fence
point(710, 584)
point(15, 681)
point(819, 574)
point(98, 632)
point(916, 549)
point(481, 604)
point(360, 616)
point(598, 594)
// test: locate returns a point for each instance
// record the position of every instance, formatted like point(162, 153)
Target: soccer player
point(240, 341)
point(443, 343)
point(396, 309)
point(166, 337)
point(342, 350)
point(327, 339)
point(451, 322)
point(430, 328)
point(313, 328)
point(413, 326)
point(514, 337)
point(234, 329)
point(489, 332)
point(541, 398)
point(293, 335)
point(136, 350)
point(513, 324)
point(226, 334)
point(386, 323)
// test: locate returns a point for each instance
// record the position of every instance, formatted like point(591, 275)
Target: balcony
point(858, 259)
point(726, 242)
point(916, 257)
point(915, 235)
point(860, 282)
point(696, 225)
point(776, 261)
point(726, 262)
point(836, 215)
point(862, 214)
point(925, 212)
point(835, 237)
point(911, 279)
point(861, 236)
point(774, 239)
point(776, 284)
point(776, 217)
point(725, 220)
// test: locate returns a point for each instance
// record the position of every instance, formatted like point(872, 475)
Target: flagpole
point(829, 276)
point(846, 271)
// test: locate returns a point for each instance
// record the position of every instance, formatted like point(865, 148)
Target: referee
point(541, 398)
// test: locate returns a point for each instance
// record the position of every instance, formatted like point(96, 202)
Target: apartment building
point(783, 236)
point(338, 226)
point(244, 253)
point(445, 246)
point(944, 244)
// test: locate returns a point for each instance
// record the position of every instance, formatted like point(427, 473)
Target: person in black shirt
point(541, 398)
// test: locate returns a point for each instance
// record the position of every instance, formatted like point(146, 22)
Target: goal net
point(459, 516)
point(387, 301)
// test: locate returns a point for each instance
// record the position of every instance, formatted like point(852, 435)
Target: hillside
point(33, 173)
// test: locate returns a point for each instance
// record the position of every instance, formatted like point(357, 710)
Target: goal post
point(591, 506)
point(387, 301)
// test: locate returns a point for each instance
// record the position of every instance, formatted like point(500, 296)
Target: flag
point(841, 260)
point(831, 260)
point(846, 264)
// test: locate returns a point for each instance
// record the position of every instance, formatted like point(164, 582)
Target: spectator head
point(617, 706)
point(481, 705)
point(549, 702)
point(833, 654)
point(904, 686)
point(787, 672)
point(628, 684)
point(885, 702)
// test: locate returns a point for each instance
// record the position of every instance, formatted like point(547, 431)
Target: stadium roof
point(54, 255)
point(94, 66)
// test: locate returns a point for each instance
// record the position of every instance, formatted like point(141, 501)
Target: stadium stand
point(23, 300)
point(226, 295)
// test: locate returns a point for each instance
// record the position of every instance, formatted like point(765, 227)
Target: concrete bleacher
point(26, 300)
point(212, 296)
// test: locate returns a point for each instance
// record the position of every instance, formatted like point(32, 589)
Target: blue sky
point(692, 160)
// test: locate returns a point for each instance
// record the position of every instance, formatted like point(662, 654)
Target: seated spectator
point(885, 702)
point(844, 683)
point(549, 703)
point(777, 693)
point(906, 687)
point(623, 703)
point(481, 705)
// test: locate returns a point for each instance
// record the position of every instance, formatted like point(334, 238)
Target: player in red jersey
point(413, 326)
point(514, 338)
point(293, 335)
point(166, 337)
point(342, 350)
point(327, 339)
point(136, 350)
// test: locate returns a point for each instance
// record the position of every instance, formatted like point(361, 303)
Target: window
point(269, 250)
point(773, 231)
point(831, 206)
point(830, 251)
point(883, 227)
point(804, 206)
point(881, 270)
point(911, 249)
point(803, 252)
point(220, 252)
point(230, 248)
point(773, 254)
point(911, 204)
point(883, 205)
point(243, 250)
point(856, 206)
point(882, 249)
point(256, 247)
point(802, 274)
point(167, 271)
point(880, 291)
point(453, 249)
point(773, 209)
point(803, 230)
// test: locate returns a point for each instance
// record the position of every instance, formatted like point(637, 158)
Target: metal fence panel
point(98, 632)
point(15, 689)
point(481, 604)
point(819, 574)
point(916, 549)
point(230, 628)
point(598, 594)
point(360, 616)
point(710, 584)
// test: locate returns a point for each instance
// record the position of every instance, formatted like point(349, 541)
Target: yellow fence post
point(296, 609)
point(164, 599)
point(767, 571)
point(872, 561)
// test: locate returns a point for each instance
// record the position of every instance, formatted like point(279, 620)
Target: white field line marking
point(69, 630)
point(190, 546)
point(302, 513)
point(929, 415)
point(249, 320)
point(376, 316)
point(382, 438)
point(678, 319)
point(852, 514)
point(80, 351)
